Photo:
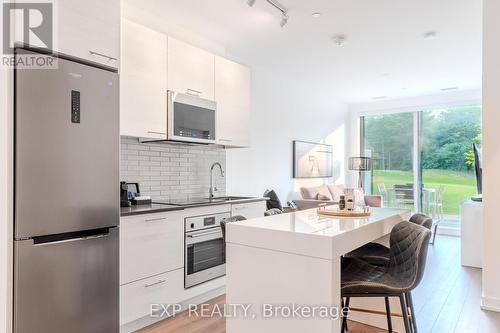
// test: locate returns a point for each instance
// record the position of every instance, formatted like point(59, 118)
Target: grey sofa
point(329, 194)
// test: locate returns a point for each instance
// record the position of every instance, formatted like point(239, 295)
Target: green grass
point(458, 186)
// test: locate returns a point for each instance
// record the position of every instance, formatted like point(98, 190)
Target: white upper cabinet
point(89, 30)
point(143, 82)
point(232, 94)
point(190, 69)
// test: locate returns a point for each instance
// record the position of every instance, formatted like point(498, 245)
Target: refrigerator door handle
point(71, 237)
point(72, 240)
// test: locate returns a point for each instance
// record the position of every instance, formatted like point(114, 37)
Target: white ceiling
point(385, 53)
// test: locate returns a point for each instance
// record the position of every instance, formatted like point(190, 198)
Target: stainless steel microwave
point(191, 118)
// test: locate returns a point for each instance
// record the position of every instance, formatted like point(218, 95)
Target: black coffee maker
point(124, 201)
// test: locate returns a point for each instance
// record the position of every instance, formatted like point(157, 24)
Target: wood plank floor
point(447, 301)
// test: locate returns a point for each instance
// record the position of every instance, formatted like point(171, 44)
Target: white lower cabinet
point(150, 245)
point(136, 298)
point(249, 210)
point(152, 261)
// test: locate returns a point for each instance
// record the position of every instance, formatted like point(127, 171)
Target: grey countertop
point(147, 209)
point(159, 208)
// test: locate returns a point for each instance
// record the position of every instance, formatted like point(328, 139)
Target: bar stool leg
point(434, 233)
point(344, 319)
point(412, 310)
point(388, 312)
point(404, 310)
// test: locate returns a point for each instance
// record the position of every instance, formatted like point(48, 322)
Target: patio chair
point(436, 207)
point(404, 195)
point(382, 190)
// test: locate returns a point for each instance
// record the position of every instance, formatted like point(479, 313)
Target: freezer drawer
point(70, 285)
point(67, 149)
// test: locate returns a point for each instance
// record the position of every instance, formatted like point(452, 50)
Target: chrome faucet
point(212, 188)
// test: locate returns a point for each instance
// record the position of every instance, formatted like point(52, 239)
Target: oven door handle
point(205, 234)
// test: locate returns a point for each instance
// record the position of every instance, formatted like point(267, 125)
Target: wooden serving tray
point(342, 213)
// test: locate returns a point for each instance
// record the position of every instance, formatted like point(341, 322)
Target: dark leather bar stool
point(378, 254)
point(403, 273)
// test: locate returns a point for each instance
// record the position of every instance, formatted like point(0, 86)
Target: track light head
point(251, 2)
point(284, 21)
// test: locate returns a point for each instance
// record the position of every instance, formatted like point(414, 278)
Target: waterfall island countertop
point(294, 259)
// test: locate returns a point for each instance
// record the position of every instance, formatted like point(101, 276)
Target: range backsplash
point(171, 171)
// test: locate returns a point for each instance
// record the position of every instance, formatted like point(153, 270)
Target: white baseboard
point(490, 304)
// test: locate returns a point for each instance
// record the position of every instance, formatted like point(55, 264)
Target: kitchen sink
point(201, 201)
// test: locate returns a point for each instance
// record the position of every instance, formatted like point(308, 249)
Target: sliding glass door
point(447, 159)
point(423, 160)
point(389, 140)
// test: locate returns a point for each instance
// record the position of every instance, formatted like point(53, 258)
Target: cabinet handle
point(204, 234)
point(102, 55)
point(193, 92)
point(158, 219)
point(226, 140)
point(155, 283)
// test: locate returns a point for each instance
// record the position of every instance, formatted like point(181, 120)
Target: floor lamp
point(360, 164)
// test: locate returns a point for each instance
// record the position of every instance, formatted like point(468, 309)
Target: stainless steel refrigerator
point(66, 276)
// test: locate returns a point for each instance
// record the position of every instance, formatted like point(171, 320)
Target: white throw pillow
point(336, 191)
point(308, 192)
point(324, 192)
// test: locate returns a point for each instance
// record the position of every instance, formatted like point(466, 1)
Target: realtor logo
point(32, 24)
point(29, 24)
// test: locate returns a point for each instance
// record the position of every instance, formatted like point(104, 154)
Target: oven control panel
point(205, 221)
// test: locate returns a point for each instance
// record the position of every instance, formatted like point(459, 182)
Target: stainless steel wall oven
point(204, 257)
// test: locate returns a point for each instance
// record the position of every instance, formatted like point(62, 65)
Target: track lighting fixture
point(278, 6)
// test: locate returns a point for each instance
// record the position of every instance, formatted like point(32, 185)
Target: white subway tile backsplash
point(168, 171)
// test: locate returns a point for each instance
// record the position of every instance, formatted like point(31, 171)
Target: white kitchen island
point(293, 260)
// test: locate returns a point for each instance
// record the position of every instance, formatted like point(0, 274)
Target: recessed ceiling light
point(316, 15)
point(339, 39)
point(379, 97)
point(251, 2)
point(449, 88)
point(430, 35)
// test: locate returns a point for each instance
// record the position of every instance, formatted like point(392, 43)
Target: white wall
point(491, 155)
point(282, 111)
point(419, 103)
